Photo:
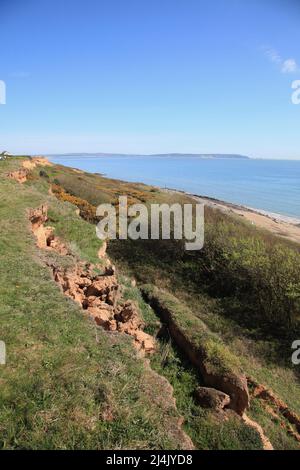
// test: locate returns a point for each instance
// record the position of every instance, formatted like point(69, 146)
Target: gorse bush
point(86, 210)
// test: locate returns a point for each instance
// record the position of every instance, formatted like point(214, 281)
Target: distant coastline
point(225, 206)
point(197, 155)
point(271, 186)
point(282, 225)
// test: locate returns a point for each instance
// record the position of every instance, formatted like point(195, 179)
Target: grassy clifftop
point(68, 384)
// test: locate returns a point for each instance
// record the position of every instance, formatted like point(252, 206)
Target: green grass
point(217, 358)
point(80, 235)
point(63, 376)
point(262, 355)
point(280, 439)
point(264, 358)
point(80, 376)
point(207, 429)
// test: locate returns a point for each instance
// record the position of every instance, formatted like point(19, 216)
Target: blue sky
point(155, 76)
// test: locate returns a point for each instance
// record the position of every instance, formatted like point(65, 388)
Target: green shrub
point(43, 174)
point(261, 272)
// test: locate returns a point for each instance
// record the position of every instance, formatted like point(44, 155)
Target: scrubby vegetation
point(254, 274)
point(86, 210)
point(256, 270)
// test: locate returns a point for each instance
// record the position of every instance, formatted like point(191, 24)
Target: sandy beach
point(281, 225)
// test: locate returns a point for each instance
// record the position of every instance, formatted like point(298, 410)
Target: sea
point(270, 186)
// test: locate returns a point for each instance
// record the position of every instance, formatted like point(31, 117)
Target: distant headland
point(197, 155)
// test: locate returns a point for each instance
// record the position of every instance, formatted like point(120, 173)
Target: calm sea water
point(270, 185)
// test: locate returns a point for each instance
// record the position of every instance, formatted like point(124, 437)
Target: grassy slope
point(200, 424)
point(62, 375)
point(206, 429)
point(261, 356)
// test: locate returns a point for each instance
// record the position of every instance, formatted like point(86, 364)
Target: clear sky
point(150, 76)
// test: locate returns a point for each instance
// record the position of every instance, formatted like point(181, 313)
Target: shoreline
point(283, 226)
point(291, 219)
point(276, 217)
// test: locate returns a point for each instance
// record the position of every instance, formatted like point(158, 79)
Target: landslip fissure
point(234, 385)
point(277, 408)
point(221, 393)
point(98, 294)
point(101, 297)
point(220, 400)
point(80, 283)
point(21, 175)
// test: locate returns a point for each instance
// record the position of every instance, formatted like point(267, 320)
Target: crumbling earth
point(21, 175)
point(98, 294)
